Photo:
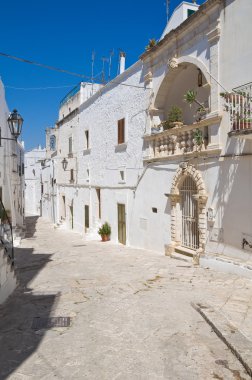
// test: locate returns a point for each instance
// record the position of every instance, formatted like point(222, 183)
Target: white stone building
point(34, 160)
point(182, 190)
point(11, 199)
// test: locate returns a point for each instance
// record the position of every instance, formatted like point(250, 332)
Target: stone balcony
point(187, 140)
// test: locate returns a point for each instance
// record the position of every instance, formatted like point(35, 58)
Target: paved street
point(131, 313)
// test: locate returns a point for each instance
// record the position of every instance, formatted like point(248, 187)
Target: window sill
point(121, 182)
point(121, 147)
point(86, 152)
point(70, 155)
point(71, 181)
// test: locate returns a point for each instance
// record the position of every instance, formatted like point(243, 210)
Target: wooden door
point(86, 212)
point(121, 224)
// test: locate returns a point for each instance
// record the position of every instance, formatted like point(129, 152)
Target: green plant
point(3, 214)
point(191, 97)
point(151, 44)
point(105, 229)
point(175, 115)
point(198, 137)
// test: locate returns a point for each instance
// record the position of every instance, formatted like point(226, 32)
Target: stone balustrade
point(179, 141)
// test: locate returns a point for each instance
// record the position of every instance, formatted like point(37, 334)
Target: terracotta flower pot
point(105, 237)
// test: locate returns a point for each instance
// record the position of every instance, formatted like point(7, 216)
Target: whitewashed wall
point(205, 43)
point(33, 178)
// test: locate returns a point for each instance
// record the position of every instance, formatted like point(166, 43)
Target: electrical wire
point(62, 71)
point(38, 88)
point(42, 65)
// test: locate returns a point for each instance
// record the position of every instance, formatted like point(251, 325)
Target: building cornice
point(173, 34)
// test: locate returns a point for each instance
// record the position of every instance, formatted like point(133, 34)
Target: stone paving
point(131, 313)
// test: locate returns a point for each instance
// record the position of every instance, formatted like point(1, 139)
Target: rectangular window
point(86, 139)
point(1, 193)
point(70, 145)
point(71, 175)
point(190, 12)
point(121, 131)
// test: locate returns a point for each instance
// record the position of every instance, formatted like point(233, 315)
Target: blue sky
point(64, 34)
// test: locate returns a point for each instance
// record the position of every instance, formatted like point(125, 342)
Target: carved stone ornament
point(173, 63)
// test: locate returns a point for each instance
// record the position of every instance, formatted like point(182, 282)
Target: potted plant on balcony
point(105, 231)
point(175, 118)
point(151, 44)
point(190, 97)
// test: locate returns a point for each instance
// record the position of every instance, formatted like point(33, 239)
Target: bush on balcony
point(175, 118)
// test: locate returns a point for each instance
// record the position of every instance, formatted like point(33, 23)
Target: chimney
point(122, 61)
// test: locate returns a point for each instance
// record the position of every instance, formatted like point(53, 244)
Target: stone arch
point(201, 197)
point(180, 76)
point(184, 171)
point(173, 71)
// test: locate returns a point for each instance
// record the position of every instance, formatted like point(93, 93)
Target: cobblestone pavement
point(131, 313)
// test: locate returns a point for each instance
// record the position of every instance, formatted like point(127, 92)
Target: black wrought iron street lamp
point(64, 164)
point(15, 122)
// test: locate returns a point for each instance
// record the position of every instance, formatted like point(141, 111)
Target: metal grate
point(189, 206)
point(43, 323)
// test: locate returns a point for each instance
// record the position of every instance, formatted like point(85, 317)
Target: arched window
point(53, 142)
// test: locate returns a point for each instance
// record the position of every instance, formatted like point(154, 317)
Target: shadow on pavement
point(31, 222)
point(17, 340)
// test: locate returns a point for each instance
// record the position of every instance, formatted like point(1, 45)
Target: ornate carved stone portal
point(201, 197)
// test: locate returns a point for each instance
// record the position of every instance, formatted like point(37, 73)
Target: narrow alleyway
point(131, 313)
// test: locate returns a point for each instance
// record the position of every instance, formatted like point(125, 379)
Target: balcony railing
point(184, 140)
point(239, 105)
point(6, 234)
point(70, 94)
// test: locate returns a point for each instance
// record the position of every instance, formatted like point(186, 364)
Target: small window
point(86, 139)
point(87, 173)
point(71, 175)
point(121, 176)
point(52, 142)
point(190, 12)
point(121, 131)
point(70, 145)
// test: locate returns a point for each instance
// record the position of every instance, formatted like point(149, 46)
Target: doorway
point(189, 209)
point(86, 216)
point(121, 223)
point(71, 217)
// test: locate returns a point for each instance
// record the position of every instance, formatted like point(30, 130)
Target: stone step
point(181, 257)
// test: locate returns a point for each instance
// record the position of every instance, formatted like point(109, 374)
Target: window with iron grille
point(121, 131)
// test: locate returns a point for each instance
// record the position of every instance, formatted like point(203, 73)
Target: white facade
point(12, 196)
point(147, 172)
point(33, 180)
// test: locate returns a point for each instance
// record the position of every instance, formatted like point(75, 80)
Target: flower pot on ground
point(105, 231)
